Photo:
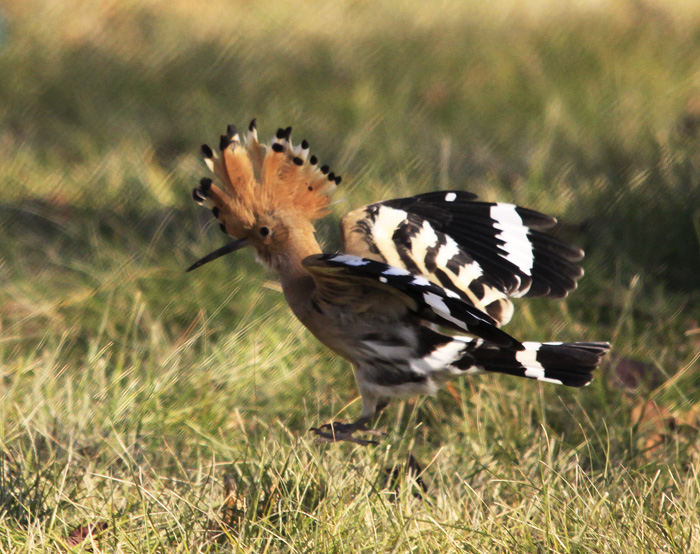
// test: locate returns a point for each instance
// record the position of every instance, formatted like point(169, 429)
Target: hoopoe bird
point(406, 267)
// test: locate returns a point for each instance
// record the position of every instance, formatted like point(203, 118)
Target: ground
point(136, 397)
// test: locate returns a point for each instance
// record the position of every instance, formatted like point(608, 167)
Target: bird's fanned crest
point(261, 179)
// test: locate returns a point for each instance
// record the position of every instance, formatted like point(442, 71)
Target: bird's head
point(267, 196)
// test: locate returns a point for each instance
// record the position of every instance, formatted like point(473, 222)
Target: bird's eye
point(264, 231)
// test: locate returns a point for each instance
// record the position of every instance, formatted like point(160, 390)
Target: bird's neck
point(297, 283)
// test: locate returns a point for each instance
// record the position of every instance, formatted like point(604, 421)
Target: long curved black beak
point(225, 249)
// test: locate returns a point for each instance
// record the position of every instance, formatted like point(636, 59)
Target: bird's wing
point(485, 252)
point(347, 279)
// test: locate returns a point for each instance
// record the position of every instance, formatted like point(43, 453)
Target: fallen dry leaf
point(453, 392)
point(656, 425)
point(79, 534)
point(629, 374)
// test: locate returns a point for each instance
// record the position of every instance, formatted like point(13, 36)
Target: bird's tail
point(563, 363)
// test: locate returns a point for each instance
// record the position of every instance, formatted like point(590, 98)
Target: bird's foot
point(339, 431)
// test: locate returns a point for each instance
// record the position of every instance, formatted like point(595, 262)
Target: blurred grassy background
point(116, 365)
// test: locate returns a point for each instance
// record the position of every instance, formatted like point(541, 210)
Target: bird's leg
point(339, 431)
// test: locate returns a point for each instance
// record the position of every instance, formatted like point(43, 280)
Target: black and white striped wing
point(342, 276)
point(485, 252)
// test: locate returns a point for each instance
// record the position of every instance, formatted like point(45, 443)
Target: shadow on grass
point(647, 221)
point(82, 274)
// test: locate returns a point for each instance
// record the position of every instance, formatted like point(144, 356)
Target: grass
point(137, 396)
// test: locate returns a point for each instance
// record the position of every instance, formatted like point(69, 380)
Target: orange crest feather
point(258, 179)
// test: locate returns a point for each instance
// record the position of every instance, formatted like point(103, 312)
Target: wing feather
point(426, 299)
point(485, 252)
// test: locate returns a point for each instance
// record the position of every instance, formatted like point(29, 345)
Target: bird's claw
point(339, 431)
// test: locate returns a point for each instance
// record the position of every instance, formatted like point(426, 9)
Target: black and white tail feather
point(570, 364)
